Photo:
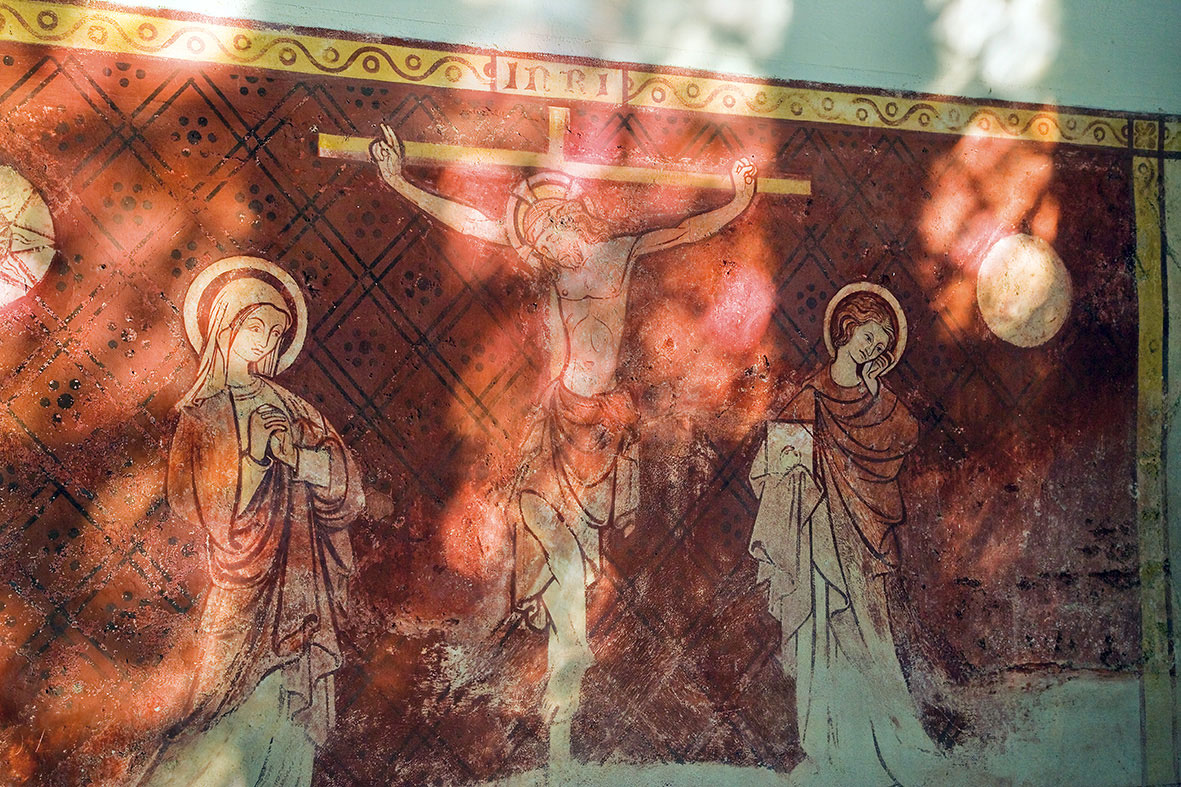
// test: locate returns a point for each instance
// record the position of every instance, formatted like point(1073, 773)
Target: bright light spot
point(733, 37)
point(741, 310)
point(475, 530)
point(1023, 290)
point(998, 43)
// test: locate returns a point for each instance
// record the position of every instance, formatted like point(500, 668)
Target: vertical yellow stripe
point(1158, 716)
point(1171, 175)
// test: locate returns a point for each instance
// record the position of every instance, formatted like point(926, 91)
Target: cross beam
point(357, 149)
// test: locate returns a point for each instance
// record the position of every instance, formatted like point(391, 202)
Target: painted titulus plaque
point(390, 413)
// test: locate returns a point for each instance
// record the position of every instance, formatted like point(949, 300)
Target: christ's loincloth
point(580, 463)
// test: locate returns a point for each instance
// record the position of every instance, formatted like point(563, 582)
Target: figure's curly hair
point(564, 213)
point(858, 309)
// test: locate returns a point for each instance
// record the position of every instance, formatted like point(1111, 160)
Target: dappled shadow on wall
point(430, 352)
point(985, 46)
point(1034, 331)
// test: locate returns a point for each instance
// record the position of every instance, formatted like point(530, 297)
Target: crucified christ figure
point(580, 455)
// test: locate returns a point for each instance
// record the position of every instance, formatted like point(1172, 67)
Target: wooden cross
point(357, 149)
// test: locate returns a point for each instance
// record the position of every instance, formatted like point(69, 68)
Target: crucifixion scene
point(386, 412)
point(579, 466)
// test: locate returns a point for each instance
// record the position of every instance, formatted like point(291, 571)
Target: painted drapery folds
point(456, 416)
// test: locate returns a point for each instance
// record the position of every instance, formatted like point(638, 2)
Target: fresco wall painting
point(391, 413)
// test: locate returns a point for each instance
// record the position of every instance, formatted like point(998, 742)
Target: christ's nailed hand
point(387, 152)
point(744, 175)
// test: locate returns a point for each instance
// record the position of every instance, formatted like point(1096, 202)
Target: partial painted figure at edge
point(825, 538)
point(274, 488)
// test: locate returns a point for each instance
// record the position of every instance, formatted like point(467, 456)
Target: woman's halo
point(543, 185)
point(216, 271)
point(887, 296)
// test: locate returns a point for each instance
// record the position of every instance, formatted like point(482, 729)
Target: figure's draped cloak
point(579, 460)
point(825, 540)
point(279, 569)
point(861, 441)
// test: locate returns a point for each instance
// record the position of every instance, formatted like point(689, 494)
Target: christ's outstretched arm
point(387, 153)
point(743, 175)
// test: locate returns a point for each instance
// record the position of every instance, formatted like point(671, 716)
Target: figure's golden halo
point(543, 185)
point(217, 272)
point(884, 294)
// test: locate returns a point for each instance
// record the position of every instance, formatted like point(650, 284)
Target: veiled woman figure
point(273, 487)
point(825, 539)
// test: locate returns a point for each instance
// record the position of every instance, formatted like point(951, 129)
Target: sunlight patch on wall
point(732, 37)
point(994, 43)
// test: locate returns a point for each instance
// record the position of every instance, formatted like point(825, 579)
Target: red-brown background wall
point(426, 352)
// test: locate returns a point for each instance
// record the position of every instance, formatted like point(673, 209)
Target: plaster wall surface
point(1092, 53)
point(1039, 697)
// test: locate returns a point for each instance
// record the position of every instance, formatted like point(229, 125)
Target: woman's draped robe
point(279, 562)
point(824, 538)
